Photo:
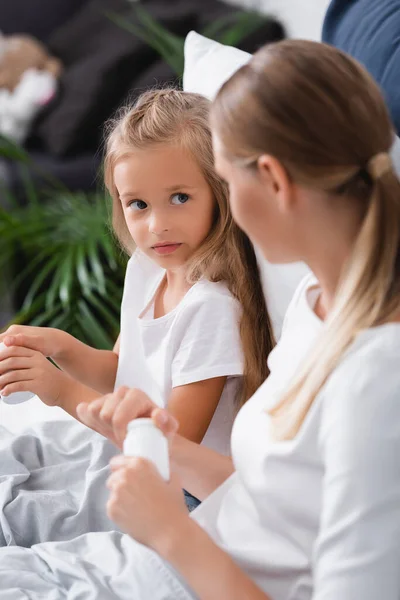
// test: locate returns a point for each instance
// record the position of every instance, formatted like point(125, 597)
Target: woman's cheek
point(238, 207)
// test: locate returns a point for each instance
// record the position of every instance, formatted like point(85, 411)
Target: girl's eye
point(179, 199)
point(137, 205)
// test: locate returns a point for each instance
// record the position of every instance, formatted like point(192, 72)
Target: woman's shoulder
point(374, 352)
point(366, 383)
point(300, 307)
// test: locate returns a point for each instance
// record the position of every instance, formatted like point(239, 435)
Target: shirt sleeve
point(208, 341)
point(357, 553)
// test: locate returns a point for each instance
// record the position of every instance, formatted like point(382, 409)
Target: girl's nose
point(158, 223)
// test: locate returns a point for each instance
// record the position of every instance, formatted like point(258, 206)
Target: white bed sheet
point(19, 417)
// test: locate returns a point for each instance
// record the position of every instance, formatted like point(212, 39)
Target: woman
point(302, 135)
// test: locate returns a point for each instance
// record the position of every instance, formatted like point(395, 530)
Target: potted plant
point(70, 270)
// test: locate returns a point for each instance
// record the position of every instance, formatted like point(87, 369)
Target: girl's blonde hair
point(322, 116)
point(169, 116)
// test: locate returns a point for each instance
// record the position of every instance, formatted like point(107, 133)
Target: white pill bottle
point(17, 397)
point(145, 440)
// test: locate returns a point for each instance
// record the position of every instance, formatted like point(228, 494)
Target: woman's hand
point(110, 414)
point(46, 340)
point(143, 505)
point(25, 370)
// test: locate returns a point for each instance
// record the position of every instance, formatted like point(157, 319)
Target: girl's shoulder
point(213, 296)
point(208, 304)
point(141, 281)
point(141, 271)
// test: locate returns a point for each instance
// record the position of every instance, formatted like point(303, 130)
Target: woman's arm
point(201, 470)
point(153, 512)
point(209, 571)
point(357, 552)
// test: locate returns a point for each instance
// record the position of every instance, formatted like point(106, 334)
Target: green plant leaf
point(92, 327)
point(96, 266)
point(12, 151)
point(30, 190)
point(100, 305)
point(45, 318)
point(167, 44)
point(245, 24)
point(66, 277)
point(40, 278)
point(82, 272)
point(54, 290)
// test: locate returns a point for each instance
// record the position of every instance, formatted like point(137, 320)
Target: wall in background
point(302, 18)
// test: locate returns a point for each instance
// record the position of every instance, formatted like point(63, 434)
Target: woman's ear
point(276, 179)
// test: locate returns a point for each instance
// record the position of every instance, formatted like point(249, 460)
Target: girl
point(193, 319)
point(302, 136)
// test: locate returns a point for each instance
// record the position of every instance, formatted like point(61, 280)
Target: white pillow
point(208, 64)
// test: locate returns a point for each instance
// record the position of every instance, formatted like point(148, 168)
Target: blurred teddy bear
point(28, 81)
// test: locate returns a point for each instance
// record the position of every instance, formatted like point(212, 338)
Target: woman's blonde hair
point(322, 116)
point(170, 116)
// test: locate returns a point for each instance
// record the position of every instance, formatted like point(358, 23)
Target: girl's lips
point(166, 249)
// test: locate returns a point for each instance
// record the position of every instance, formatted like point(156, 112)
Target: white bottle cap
point(145, 440)
point(138, 423)
point(17, 397)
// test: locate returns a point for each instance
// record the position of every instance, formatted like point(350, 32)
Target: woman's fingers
point(108, 409)
point(89, 414)
point(134, 404)
point(165, 421)
point(98, 414)
point(110, 414)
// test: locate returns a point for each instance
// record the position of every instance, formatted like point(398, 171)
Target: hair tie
point(379, 165)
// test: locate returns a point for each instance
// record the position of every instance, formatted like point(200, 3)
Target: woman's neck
point(327, 256)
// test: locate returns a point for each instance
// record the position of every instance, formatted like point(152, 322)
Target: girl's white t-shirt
point(198, 340)
point(318, 516)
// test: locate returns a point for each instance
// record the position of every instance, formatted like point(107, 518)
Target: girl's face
point(167, 203)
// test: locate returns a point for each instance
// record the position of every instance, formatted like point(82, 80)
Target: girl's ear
point(276, 179)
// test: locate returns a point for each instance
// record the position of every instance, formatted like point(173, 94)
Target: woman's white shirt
point(318, 516)
point(198, 340)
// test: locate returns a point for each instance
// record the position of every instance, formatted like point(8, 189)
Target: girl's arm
point(94, 368)
point(193, 406)
point(153, 512)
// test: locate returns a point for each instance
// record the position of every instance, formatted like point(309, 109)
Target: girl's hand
point(46, 340)
point(110, 414)
point(141, 503)
point(24, 370)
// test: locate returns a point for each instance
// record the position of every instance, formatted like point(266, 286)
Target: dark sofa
point(104, 66)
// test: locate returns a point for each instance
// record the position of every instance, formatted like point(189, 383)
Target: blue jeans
point(191, 501)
